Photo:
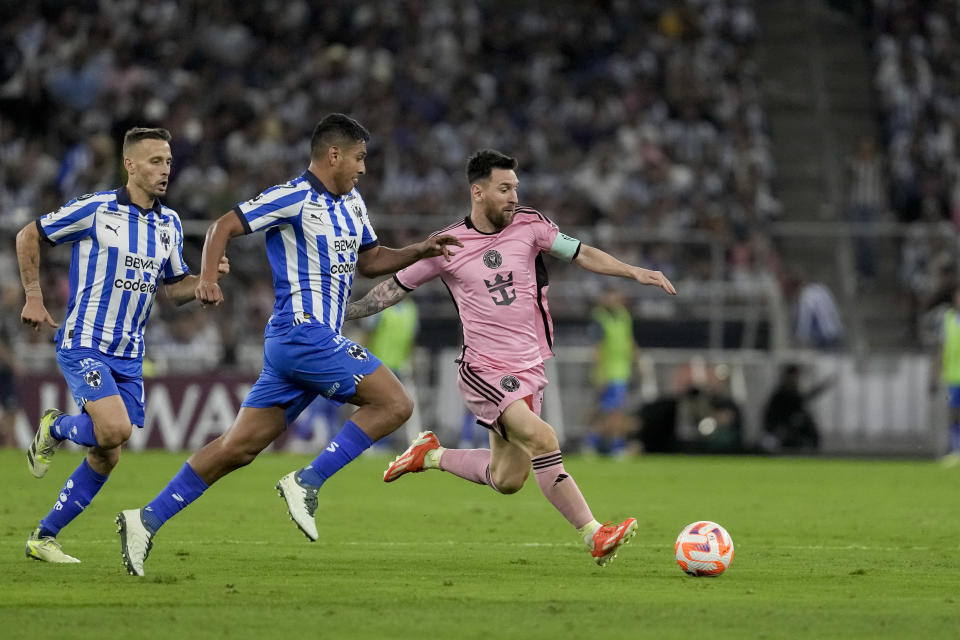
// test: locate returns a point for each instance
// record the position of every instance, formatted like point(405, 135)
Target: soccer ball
point(704, 549)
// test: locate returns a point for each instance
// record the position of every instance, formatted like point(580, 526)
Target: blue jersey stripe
point(152, 236)
point(135, 322)
point(270, 207)
point(346, 216)
point(278, 263)
point(91, 273)
point(324, 277)
point(105, 293)
point(303, 270)
point(54, 228)
point(332, 210)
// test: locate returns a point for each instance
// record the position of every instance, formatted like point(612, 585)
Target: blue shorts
point(953, 396)
point(307, 361)
point(92, 374)
point(614, 396)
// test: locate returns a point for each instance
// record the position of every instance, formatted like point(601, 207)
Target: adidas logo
point(560, 478)
point(177, 497)
point(333, 447)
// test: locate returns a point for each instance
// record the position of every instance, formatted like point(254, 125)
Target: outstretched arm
point(381, 260)
point(593, 259)
point(386, 294)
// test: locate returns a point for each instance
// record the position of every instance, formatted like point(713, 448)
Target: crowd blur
point(917, 79)
point(630, 118)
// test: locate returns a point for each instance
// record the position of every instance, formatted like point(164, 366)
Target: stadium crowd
point(917, 79)
point(630, 120)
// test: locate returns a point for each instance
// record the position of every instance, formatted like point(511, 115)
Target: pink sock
point(560, 489)
point(469, 464)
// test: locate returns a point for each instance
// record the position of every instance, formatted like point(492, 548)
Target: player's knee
point(400, 408)
point(510, 480)
point(113, 433)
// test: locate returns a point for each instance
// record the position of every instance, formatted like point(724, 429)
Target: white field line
point(173, 542)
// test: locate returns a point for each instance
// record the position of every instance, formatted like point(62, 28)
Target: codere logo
point(137, 286)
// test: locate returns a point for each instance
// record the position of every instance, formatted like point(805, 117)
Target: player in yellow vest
point(951, 372)
point(612, 329)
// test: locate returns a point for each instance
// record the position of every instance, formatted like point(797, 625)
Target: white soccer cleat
point(44, 445)
point(301, 504)
point(47, 549)
point(135, 540)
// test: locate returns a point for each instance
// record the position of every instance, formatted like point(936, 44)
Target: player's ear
point(476, 191)
point(333, 154)
point(128, 164)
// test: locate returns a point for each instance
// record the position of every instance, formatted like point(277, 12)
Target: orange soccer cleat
point(411, 460)
point(608, 538)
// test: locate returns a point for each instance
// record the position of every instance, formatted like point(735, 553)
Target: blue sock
point(593, 441)
point(345, 446)
point(76, 494)
point(617, 445)
point(955, 437)
point(184, 488)
point(78, 428)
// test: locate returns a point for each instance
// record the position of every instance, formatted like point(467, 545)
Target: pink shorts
point(488, 392)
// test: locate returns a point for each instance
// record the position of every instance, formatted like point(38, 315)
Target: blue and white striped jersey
point(313, 240)
point(120, 253)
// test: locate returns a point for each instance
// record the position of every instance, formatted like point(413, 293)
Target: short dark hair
point(136, 134)
point(482, 163)
point(335, 129)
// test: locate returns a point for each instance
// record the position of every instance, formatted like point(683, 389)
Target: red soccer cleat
point(608, 538)
point(411, 460)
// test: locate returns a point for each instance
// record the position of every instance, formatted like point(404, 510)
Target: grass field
point(824, 549)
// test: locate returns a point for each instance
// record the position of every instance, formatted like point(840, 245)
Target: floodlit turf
point(824, 549)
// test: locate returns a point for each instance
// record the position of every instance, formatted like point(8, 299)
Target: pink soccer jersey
point(499, 285)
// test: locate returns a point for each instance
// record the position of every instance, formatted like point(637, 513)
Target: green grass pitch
point(824, 549)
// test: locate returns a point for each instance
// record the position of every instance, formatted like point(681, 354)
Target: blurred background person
point(787, 422)
point(612, 332)
point(950, 374)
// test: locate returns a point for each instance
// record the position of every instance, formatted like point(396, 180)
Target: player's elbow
point(28, 235)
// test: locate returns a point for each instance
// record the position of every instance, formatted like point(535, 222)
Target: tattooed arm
point(386, 294)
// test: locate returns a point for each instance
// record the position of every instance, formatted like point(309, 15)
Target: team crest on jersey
point(165, 239)
point(357, 352)
point(509, 383)
point(93, 379)
point(492, 258)
point(356, 210)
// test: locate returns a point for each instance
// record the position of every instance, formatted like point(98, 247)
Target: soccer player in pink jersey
point(499, 283)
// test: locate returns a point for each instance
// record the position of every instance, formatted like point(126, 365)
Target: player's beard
point(499, 218)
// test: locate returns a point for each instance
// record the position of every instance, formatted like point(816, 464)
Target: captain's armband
point(565, 247)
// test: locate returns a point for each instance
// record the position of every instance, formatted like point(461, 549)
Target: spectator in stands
point(818, 324)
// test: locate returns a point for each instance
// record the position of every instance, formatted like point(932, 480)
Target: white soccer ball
point(704, 548)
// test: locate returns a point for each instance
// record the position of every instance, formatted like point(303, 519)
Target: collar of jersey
point(123, 197)
point(318, 186)
point(486, 233)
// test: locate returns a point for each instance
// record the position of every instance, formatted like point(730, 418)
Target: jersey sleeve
point(418, 273)
point(71, 222)
point(275, 206)
point(175, 269)
point(368, 237)
point(547, 238)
